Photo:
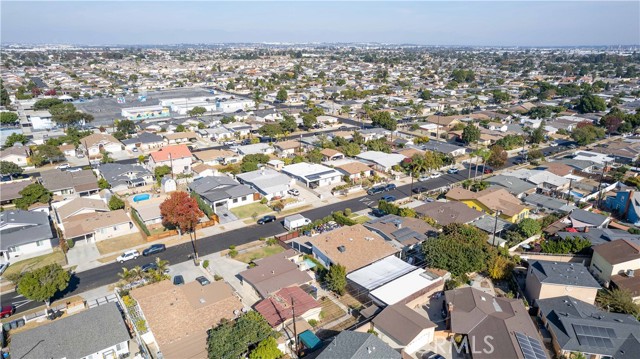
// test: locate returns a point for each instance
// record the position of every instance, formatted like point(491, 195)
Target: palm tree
point(131, 275)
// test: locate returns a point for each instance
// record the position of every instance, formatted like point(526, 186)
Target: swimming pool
point(141, 197)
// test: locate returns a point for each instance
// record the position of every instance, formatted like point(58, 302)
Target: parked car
point(419, 189)
point(293, 192)
point(388, 198)
point(436, 175)
point(128, 255)
point(390, 187)
point(149, 267)
point(453, 171)
point(155, 248)
point(178, 280)
point(376, 190)
point(203, 280)
point(7, 311)
point(229, 143)
point(377, 212)
point(429, 199)
point(487, 170)
point(3, 267)
point(63, 166)
point(266, 219)
point(423, 177)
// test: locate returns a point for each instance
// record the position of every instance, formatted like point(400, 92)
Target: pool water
point(141, 197)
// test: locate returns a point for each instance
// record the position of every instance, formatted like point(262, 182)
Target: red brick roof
point(177, 152)
point(278, 307)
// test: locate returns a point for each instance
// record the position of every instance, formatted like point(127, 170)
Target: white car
point(423, 177)
point(436, 175)
point(293, 192)
point(63, 166)
point(3, 267)
point(553, 144)
point(128, 255)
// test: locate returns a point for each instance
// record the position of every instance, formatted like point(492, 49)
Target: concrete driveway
point(229, 268)
point(82, 254)
point(188, 271)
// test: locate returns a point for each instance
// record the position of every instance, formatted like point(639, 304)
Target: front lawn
point(258, 253)
point(249, 210)
point(119, 243)
point(36, 262)
point(359, 219)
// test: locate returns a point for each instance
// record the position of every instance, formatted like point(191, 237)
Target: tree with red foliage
point(182, 211)
point(611, 122)
point(36, 91)
point(51, 92)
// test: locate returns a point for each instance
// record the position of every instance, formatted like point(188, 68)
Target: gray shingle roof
point(587, 217)
point(514, 185)
point(118, 174)
point(574, 274)
point(568, 316)
point(75, 336)
point(33, 227)
point(553, 204)
point(215, 188)
point(356, 345)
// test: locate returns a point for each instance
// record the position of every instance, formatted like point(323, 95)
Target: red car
point(7, 311)
point(487, 170)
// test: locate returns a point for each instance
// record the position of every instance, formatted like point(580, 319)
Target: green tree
point(106, 157)
point(160, 172)
point(8, 118)
point(266, 349)
point(10, 168)
point(47, 153)
point(309, 120)
point(351, 149)
point(314, 156)
point(537, 135)
point(470, 134)
point(529, 227)
point(618, 301)
point(288, 123)
point(590, 103)
point(500, 96)
point(383, 119)
point(15, 138)
point(282, 95)
point(498, 156)
point(42, 284)
point(103, 183)
point(46, 103)
point(197, 111)
point(126, 126)
point(586, 133)
point(33, 193)
point(500, 267)
point(425, 94)
point(66, 114)
point(4, 95)
point(336, 279)
point(233, 340)
point(180, 128)
point(115, 203)
point(270, 130)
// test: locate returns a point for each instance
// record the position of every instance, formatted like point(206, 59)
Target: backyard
point(36, 262)
point(119, 243)
point(258, 253)
point(249, 210)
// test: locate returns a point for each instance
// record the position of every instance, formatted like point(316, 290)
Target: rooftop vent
point(342, 249)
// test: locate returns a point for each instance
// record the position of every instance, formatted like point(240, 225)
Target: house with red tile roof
point(177, 157)
point(279, 307)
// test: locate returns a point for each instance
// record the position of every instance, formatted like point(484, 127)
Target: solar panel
point(531, 347)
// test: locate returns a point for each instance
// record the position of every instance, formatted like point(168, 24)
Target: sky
point(476, 23)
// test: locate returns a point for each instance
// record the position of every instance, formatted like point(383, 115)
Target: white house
point(313, 175)
point(16, 154)
point(177, 157)
point(380, 160)
point(24, 233)
point(95, 143)
point(269, 182)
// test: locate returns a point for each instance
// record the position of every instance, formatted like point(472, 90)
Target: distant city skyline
point(475, 23)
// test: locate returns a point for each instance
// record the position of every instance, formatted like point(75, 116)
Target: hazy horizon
point(476, 23)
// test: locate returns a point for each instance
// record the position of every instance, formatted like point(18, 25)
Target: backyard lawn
point(248, 210)
point(119, 243)
point(36, 262)
point(259, 253)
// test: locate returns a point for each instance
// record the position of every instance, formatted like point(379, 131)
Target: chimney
point(627, 205)
point(449, 311)
point(586, 229)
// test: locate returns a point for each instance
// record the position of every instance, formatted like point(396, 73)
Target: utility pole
point(495, 228)
point(295, 329)
point(195, 247)
point(604, 167)
point(570, 187)
point(171, 164)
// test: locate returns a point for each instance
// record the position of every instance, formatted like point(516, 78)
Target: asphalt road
point(108, 274)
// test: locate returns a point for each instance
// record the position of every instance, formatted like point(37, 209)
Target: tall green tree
point(497, 157)
point(47, 153)
point(383, 119)
point(271, 130)
point(197, 111)
point(266, 349)
point(126, 126)
point(309, 120)
point(618, 301)
point(590, 103)
point(282, 95)
point(33, 193)
point(336, 279)
point(15, 138)
point(42, 284)
point(4, 95)
point(46, 103)
point(10, 168)
point(470, 134)
point(115, 203)
point(288, 123)
point(8, 118)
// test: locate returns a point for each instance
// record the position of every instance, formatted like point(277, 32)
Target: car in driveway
point(453, 171)
point(419, 189)
point(390, 187)
point(128, 255)
point(7, 311)
point(376, 190)
point(377, 212)
point(293, 192)
point(155, 248)
point(435, 175)
point(203, 280)
point(388, 198)
point(178, 280)
point(266, 219)
point(63, 166)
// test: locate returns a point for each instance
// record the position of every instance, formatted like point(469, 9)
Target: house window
point(40, 243)
point(235, 200)
point(115, 228)
point(119, 347)
point(244, 198)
